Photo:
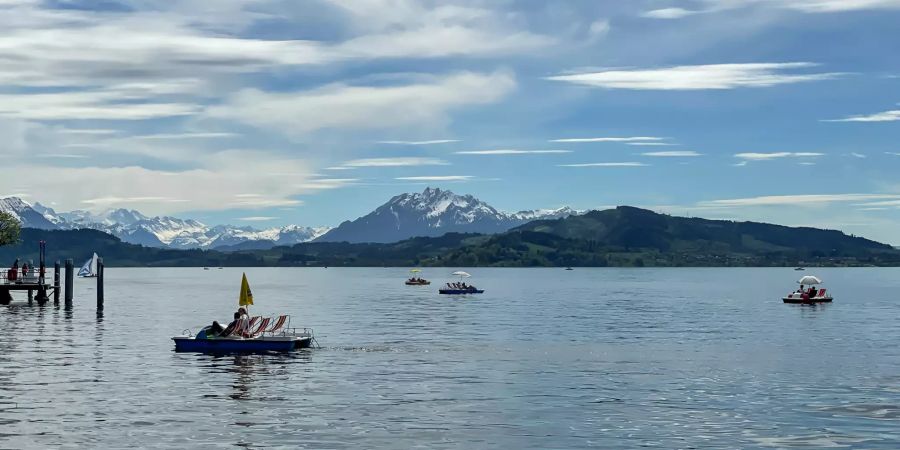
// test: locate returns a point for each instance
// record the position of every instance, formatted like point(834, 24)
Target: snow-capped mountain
point(26, 215)
point(133, 227)
point(432, 213)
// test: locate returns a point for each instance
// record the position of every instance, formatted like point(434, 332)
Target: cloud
point(599, 28)
point(432, 142)
point(883, 203)
point(343, 107)
point(858, 155)
point(892, 153)
point(797, 200)
point(606, 164)
point(669, 13)
point(610, 139)
point(713, 76)
point(213, 185)
point(437, 178)
point(652, 144)
point(511, 152)
point(394, 162)
point(103, 104)
point(675, 154)
point(257, 218)
point(184, 136)
point(886, 116)
point(830, 6)
point(806, 6)
point(776, 155)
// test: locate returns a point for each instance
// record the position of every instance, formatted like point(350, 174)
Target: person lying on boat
point(240, 316)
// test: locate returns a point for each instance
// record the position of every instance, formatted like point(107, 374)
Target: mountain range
point(432, 212)
point(622, 237)
point(162, 231)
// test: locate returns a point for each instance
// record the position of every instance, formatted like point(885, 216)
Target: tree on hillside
point(9, 229)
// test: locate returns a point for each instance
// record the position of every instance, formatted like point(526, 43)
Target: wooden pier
point(34, 281)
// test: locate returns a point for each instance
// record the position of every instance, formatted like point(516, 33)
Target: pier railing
point(8, 276)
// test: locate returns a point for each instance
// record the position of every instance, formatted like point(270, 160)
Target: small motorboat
point(569, 268)
point(460, 288)
point(415, 279)
point(799, 268)
point(808, 296)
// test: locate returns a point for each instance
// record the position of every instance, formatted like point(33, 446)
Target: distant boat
point(808, 296)
point(89, 269)
point(206, 268)
point(416, 280)
point(799, 268)
point(569, 268)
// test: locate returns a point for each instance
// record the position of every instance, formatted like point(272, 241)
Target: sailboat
point(89, 269)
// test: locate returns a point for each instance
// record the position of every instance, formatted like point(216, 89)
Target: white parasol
point(461, 274)
point(809, 280)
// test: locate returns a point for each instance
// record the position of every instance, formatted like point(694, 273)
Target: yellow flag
point(246, 296)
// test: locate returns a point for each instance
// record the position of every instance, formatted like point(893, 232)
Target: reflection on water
point(544, 359)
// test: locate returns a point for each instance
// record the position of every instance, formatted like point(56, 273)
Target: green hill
point(628, 236)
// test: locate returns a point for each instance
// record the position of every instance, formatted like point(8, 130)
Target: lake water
point(546, 358)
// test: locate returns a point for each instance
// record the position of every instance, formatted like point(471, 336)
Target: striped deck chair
point(279, 324)
point(253, 321)
point(241, 329)
point(821, 293)
point(263, 324)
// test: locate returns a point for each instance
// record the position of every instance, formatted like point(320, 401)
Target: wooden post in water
point(56, 283)
point(30, 297)
point(70, 281)
point(100, 270)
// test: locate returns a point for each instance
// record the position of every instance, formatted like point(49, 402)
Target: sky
point(311, 112)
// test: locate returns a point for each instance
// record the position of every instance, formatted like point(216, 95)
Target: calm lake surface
point(546, 358)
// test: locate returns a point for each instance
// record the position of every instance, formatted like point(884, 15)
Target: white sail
point(89, 269)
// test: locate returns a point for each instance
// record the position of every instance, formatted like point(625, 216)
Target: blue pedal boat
point(460, 291)
point(233, 344)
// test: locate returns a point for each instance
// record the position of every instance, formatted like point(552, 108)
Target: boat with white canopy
point(460, 288)
point(812, 294)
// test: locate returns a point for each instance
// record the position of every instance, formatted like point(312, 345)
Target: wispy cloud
point(511, 152)
point(395, 162)
point(652, 144)
point(806, 6)
point(432, 142)
point(797, 200)
point(857, 155)
point(674, 154)
point(776, 155)
point(164, 136)
point(257, 218)
point(646, 140)
point(437, 178)
point(886, 116)
point(605, 164)
point(343, 107)
point(669, 13)
point(712, 76)
point(892, 153)
point(88, 131)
